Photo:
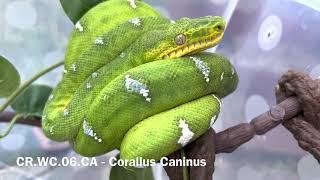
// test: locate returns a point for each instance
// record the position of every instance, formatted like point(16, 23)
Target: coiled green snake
point(138, 82)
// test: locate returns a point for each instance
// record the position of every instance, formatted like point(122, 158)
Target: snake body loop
point(137, 82)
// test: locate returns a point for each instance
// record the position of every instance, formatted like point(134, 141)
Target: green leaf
point(9, 78)
point(32, 100)
point(120, 173)
point(75, 9)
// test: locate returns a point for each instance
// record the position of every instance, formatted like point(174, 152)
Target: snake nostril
point(219, 28)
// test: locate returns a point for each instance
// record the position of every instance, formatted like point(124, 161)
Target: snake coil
point(138, 82)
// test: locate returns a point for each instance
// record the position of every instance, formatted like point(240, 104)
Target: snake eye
point(180, 39)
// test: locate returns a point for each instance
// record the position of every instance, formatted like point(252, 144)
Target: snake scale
point(138, 82)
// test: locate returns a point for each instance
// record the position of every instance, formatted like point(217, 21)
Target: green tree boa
point(138, 82)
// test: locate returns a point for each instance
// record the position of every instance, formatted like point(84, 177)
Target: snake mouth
point(193, 47)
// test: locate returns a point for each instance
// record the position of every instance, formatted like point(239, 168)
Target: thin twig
point(12, 97)
point(10, 126)
point(184, 167)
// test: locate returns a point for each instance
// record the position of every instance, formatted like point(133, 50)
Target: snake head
point(186, 36)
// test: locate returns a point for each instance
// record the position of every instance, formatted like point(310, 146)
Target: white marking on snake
point(87, 130)
point(186, 133)
point(65, 112)
point(217, 100)
point(135, 21)
point(133, 85)
point(203, 67)
point(221, 77)
point(88, 86)
point(105, 97)
point(94, 75)
point(132, 3)
point(44, 117)
point(79, 26)
point(65, 71)
point(99, 40)
point(213, 120)
point(122, 55)
point(74, 67)
point(50, 97)
point(51, 130)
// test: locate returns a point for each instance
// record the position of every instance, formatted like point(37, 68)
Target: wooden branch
point(305, 127)
point(7, 117)
point(230, 139)
point(306, 134)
